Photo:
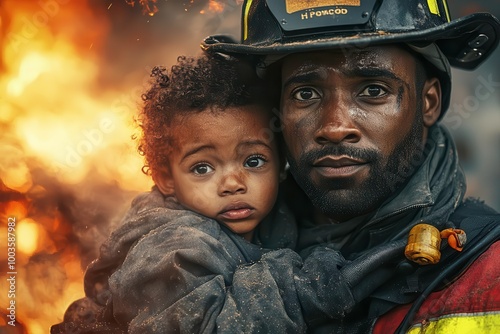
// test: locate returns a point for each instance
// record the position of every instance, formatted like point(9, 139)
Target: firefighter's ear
point(164, 181)
point(431, 98)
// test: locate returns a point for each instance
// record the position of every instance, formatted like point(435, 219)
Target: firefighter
point(364, 85)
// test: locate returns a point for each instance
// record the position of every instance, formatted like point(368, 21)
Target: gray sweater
point(168, 270)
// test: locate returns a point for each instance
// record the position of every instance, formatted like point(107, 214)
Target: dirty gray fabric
point(168, 270)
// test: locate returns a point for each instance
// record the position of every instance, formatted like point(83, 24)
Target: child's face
point(225, 166)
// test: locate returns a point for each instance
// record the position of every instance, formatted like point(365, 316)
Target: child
point(208, 146)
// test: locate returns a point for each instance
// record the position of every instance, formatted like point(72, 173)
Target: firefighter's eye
point(305, 94)
point(373, 91)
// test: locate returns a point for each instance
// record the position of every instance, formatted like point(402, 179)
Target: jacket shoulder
point(472, 207)
point(471, 304)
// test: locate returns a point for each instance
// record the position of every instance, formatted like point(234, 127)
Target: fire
point(147, 8)
point(28, 228)
point(64, 146)
point(215, 6)
point(29, 70)
point(69, 168)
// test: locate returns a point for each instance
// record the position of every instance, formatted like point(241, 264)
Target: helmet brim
point(453, 38)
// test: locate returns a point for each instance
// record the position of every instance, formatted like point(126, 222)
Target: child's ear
point(164, 181)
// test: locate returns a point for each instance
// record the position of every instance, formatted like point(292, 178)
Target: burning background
point(71, 75)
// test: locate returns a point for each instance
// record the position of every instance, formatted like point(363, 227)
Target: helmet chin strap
point(267, 61)
point(433, 55)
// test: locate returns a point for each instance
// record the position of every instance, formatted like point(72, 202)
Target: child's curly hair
point(192, 85)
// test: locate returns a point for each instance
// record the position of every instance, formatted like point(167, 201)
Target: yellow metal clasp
point(424, 243)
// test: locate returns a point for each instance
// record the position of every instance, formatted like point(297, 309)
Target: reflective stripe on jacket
point(471, 304)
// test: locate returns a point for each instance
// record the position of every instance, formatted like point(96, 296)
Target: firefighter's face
point(354, 125)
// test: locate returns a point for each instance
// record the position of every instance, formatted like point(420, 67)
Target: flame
point(29, 70)
point(38, 72)
point(215, 6)
point(28, 228)
point(65, 142)
point(147, 8)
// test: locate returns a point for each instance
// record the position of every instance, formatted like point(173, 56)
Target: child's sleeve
point(194, 283)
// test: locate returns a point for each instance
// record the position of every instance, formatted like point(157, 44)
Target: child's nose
point(232, 183)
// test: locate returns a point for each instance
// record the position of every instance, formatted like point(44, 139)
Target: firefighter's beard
point(343, 199)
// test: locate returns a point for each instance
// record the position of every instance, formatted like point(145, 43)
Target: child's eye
point(202, 169)
point(255, 162)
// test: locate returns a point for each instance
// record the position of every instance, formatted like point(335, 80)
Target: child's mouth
point(236, 211)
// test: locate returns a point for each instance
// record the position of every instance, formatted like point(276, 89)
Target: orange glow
point(27, 232)
point(62, 134)
point(148, 6)
point(16, 209)
point(215, 6)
